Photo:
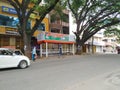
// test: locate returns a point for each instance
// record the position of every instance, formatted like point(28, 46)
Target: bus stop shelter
point(48, 41)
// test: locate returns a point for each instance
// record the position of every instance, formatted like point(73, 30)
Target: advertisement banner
point(8, 10)
point(56, 36)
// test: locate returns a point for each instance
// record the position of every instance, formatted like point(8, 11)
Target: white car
point(13, 58)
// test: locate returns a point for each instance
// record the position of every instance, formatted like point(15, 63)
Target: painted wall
point(17, 40)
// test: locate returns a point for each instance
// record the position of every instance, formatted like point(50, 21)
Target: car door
point(6, 59)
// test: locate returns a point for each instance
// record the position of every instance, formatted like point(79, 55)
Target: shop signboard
point(72, 38)
point(41, 36)
point(56, 36)
point(52, 36)
point(8, 10)
point(12, 31)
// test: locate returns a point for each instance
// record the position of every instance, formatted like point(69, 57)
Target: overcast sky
point(72, 24)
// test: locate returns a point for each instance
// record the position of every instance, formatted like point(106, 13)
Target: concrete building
point(95, 44)
point(58, 37)
point(110, 44)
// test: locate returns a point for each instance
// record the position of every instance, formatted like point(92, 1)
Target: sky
point(72, 24)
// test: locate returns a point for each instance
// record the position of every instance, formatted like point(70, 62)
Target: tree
point(93, 15)
point(24, 9)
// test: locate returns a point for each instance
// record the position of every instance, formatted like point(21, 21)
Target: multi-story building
point(60, 26)
point(110, 44)
point(9, 36)
point(95, 44)
point(8, 31)
point(58, 36)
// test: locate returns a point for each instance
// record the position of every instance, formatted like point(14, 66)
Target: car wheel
point(23, 64)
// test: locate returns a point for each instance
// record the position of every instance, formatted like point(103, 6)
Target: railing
point(56, 51)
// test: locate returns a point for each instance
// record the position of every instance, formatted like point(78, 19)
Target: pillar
point(46, 49)
point(73, 49)
point(40, 50)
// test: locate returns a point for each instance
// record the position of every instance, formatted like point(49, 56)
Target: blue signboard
point(8, 10)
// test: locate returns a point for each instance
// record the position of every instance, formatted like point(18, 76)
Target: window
point(41, 27)
point(8, 21)
point(11, 21)
point(5, 52)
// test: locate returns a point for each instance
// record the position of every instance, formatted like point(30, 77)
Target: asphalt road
point(98, 72)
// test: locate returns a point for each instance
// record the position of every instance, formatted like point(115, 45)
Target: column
point(46, 49)
point(73, 49)
point(41, 50)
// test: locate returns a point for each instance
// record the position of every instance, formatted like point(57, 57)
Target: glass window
point(8, 21)
point(11, 21)
point(5, 52)
point(41, 27)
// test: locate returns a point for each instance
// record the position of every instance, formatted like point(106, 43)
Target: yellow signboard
point(2, 30)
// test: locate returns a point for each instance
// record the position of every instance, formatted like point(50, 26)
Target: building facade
point(9, 36)
point(58, 25)
point(95, 44)
point(58, 37)
point(8, 31)
point(110, 44)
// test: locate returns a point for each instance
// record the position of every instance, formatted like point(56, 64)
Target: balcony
point(55, 25)
point(65, 24)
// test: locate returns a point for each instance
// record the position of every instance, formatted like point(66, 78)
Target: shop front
point(51, 43)
point(9, 35)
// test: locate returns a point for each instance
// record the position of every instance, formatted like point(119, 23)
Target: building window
point(41, 27)
point(8, 21)
point(11, 21)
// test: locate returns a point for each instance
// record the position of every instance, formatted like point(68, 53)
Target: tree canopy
point(93, 15)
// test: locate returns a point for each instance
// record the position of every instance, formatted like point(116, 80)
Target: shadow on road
point(9, 69)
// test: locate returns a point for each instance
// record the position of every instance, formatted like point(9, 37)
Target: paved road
point(98, 72)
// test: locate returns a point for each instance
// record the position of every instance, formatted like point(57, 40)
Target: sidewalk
point(56, 57)
point(62, 57)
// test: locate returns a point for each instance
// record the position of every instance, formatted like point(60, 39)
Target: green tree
point(91, 16)
point(24, 11)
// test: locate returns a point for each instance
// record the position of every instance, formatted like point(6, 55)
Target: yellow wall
point(46, 22)
point(2, 29)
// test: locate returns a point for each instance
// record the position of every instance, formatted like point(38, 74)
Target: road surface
point(85, 72)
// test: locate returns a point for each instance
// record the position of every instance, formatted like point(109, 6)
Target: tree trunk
point(78, 46)
point(27, 40)
point(27, 45)
point(78, 49)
